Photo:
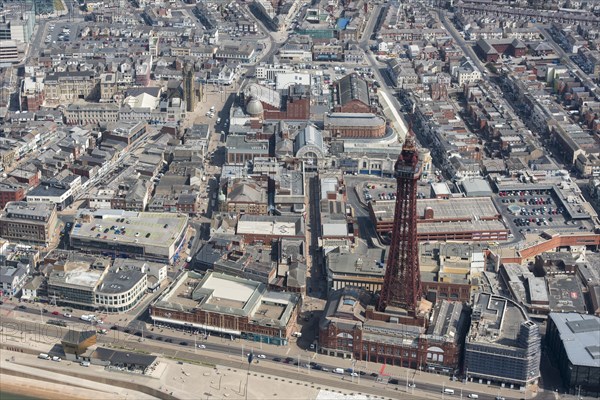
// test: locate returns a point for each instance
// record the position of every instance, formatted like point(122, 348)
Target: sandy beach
point(45, 390)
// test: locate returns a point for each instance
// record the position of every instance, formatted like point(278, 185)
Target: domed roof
point(254, 107)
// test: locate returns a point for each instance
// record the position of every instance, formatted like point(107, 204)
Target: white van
point(448, 391)
point(473, 396)
point(57, 359)
point(85, 363)
point(44, 356)
point(338, 371)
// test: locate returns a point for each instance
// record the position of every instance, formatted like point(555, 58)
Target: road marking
point(382, 369)
point(288, 351)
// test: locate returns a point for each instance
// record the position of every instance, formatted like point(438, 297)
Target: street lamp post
point(250, 358)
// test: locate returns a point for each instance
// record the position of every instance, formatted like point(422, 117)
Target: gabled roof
point(246, 193)
point(517, 44)
point(486, 47)
point(151, 90)
point(263, 94)
point(353, 87)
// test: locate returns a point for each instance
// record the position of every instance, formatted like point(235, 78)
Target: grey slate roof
point(353, 87)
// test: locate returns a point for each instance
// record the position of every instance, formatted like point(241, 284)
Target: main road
point(231, 354)
point(388, 95)
point(460, 41)
point(569, 63)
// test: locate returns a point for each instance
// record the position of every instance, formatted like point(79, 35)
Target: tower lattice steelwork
point(402, 283)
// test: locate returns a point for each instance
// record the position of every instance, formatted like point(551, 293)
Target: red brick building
point(126, 131)
point(229, 305)
point(434, 217)
point(352, 95)
point(351, 328)
point(32, 101)
point(489, 50)
point(295, 106)
point(10, 190)
point(27, 174)
point(447, 290)
point(355, 125)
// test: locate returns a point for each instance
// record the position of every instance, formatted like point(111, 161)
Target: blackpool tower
point(402, 283)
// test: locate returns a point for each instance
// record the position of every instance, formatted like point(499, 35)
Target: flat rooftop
point(181, 296)
point(47, 191)
point(460, 226)
point(141, 228)
point(216, 292)
point(459, 208)
point(81, 276)
point(121, 281)
point(362, 261)
point(293, 181)
point(229, 293)
point(213, 290)
point(270, 225)
point(273, 306)
point(28, 211)
point(565, 294)
point(451, 209)
point(580, 334)
point(499, 322)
